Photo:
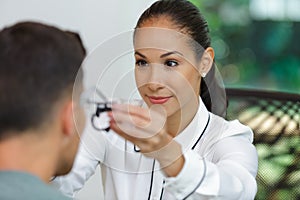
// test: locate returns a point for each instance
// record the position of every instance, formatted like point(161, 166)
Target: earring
point(203, 75)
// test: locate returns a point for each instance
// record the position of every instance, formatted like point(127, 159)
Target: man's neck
point(28, 154)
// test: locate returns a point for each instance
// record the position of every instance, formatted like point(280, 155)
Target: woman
point(175, 148)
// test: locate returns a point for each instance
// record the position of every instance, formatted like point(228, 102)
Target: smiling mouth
point(158, 100)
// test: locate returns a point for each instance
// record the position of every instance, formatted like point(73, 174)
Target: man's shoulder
point(18, 185)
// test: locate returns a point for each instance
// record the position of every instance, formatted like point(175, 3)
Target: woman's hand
point(146, 128)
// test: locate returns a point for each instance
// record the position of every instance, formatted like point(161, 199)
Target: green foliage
point(251, 53)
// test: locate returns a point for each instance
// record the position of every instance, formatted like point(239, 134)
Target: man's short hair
point(38, 67)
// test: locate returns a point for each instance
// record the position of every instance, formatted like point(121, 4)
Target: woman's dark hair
point(38, 67)
point(189, 20)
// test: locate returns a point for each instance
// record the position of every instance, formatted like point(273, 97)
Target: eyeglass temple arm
point(101, 94)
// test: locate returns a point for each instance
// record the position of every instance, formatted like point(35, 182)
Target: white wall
point(95, 20)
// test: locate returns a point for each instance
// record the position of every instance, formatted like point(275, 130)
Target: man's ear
point(68, 124)
point(206, 61)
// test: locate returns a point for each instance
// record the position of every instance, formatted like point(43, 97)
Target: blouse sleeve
point(230, 175)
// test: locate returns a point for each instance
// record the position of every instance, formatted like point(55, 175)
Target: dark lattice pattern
point(275, 119)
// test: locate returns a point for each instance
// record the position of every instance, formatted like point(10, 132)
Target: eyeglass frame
point(101, 107)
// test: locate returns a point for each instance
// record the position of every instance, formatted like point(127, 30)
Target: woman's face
point(166, 71)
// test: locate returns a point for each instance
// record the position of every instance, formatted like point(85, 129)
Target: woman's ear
point(206, 61)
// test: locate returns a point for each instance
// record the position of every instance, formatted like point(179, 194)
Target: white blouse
point(220, 163)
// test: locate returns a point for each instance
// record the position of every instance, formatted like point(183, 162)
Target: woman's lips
point(158, 100)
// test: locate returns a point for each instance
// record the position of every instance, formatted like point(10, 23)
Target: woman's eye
point(171, 63)
point(141, 63)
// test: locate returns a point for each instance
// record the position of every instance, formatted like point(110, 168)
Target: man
point(39, 136)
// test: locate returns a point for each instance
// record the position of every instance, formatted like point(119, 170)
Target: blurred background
point(256, 43)
point(257, 48)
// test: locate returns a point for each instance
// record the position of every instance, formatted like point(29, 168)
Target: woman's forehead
point(161, 38)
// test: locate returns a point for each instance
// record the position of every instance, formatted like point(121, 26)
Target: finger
point(129, 132)
point(121, 117)
point(155, 147)
point(154, 124)
point(156, 112)
point(139, 116)
point(149, 128)
point(131, 109)
point(146, 144)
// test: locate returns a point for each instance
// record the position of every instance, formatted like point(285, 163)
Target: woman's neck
point(177, 122)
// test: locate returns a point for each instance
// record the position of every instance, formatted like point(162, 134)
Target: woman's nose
point(156, 78)
point(154, 86)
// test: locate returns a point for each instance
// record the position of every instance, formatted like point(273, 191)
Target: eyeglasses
point(90, 102)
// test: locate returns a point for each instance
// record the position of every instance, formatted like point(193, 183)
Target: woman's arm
point(231, 174)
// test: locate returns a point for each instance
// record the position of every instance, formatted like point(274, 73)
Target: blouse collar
point(190, 135)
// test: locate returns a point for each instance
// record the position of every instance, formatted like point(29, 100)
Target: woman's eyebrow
point(170, 53)
point(162, 56)
point(138, 53)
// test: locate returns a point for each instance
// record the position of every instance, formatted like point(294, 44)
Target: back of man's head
point(38, 67)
